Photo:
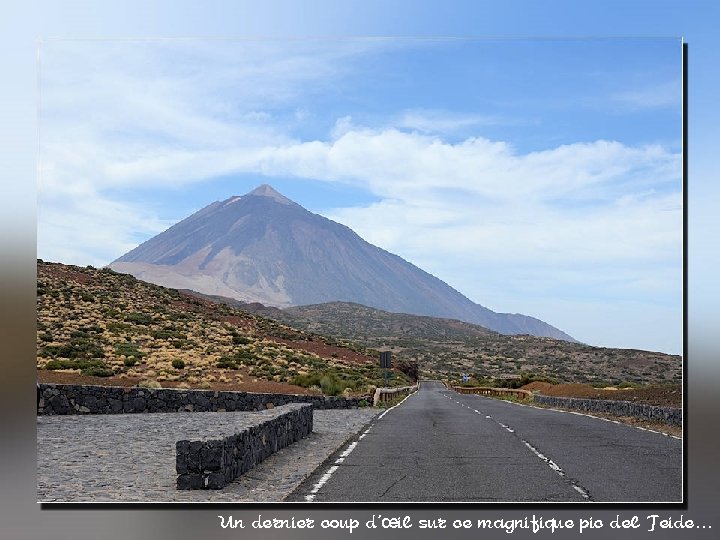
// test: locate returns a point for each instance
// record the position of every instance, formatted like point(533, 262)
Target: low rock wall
point(86, 399)
point(666, 415)
point(213, 463)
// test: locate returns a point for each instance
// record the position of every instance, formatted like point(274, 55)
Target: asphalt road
point(442, 446)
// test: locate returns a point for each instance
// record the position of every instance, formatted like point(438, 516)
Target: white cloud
point(394, 164)
point(89, 228)
point(445, 122)
point(498, 224)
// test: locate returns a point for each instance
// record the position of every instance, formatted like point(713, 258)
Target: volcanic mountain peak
point(263, 247)
point(266, 190)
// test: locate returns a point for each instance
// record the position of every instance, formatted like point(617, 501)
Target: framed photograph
point(235, 236)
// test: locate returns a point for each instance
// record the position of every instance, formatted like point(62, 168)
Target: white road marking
point(588, 415)
point(349, 449)
point(325, 477)
point(550, 463)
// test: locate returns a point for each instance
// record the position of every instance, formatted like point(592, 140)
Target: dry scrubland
point(445, 349)
point(98, 326)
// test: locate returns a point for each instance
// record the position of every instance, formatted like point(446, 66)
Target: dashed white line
point(550, 463)
point(325, 477)
point(588, 415)
point(580, 490)
point(554, 466)
point(349, 449)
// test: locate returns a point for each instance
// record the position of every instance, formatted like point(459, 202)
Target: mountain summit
point(263, 247)
point(265, 190)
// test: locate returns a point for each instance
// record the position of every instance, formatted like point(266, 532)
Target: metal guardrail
point(499, 392)
point(387, 394)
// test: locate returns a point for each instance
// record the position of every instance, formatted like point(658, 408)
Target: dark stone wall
point(666, 415)
point(79, 399)
point(212, 464)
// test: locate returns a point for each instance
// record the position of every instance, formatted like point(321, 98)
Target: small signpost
point(385, 361)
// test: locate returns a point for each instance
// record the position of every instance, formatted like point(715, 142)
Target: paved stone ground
point(131, 457)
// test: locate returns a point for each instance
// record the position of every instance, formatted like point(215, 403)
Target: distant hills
point(262, 247)
point(446, 348)
point(96, 326)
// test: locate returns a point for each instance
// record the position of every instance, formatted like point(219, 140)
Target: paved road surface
point(442, 446)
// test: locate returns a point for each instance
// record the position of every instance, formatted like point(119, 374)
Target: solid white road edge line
point(325, 477)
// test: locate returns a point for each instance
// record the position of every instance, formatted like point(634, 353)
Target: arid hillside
point(446, 349)
point(97, 326)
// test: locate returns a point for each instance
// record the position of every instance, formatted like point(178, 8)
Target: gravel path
point(131, 457)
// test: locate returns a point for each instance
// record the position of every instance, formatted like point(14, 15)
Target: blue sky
point(539, 176)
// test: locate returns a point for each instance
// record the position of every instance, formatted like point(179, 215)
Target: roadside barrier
point(214, 462)
point(87, 399)
point(653, 413)
point(665, 415)
point(388, 394)
point(499, 392)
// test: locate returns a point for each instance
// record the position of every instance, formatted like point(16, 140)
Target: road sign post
point(385, 362)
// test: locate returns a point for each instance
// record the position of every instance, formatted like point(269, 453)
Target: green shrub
point(167, 333)
point(98, 371)
point(77, 348)
point(148, 383)
point(130, 362)
point(92, 329)
point(128, 349)
point(227, 363)
point(139, 318)
point(241, 340)
point(117, 327)
point(178, 364)
point(307, 380)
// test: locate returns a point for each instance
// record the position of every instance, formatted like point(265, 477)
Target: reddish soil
point(67, 274)
point(250, 384)
point(326, 351)
point(243, 323)
point(667, 396)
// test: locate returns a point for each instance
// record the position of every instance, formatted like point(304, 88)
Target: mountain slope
point(262, 247)
point(100, 327)
point(447, 348)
